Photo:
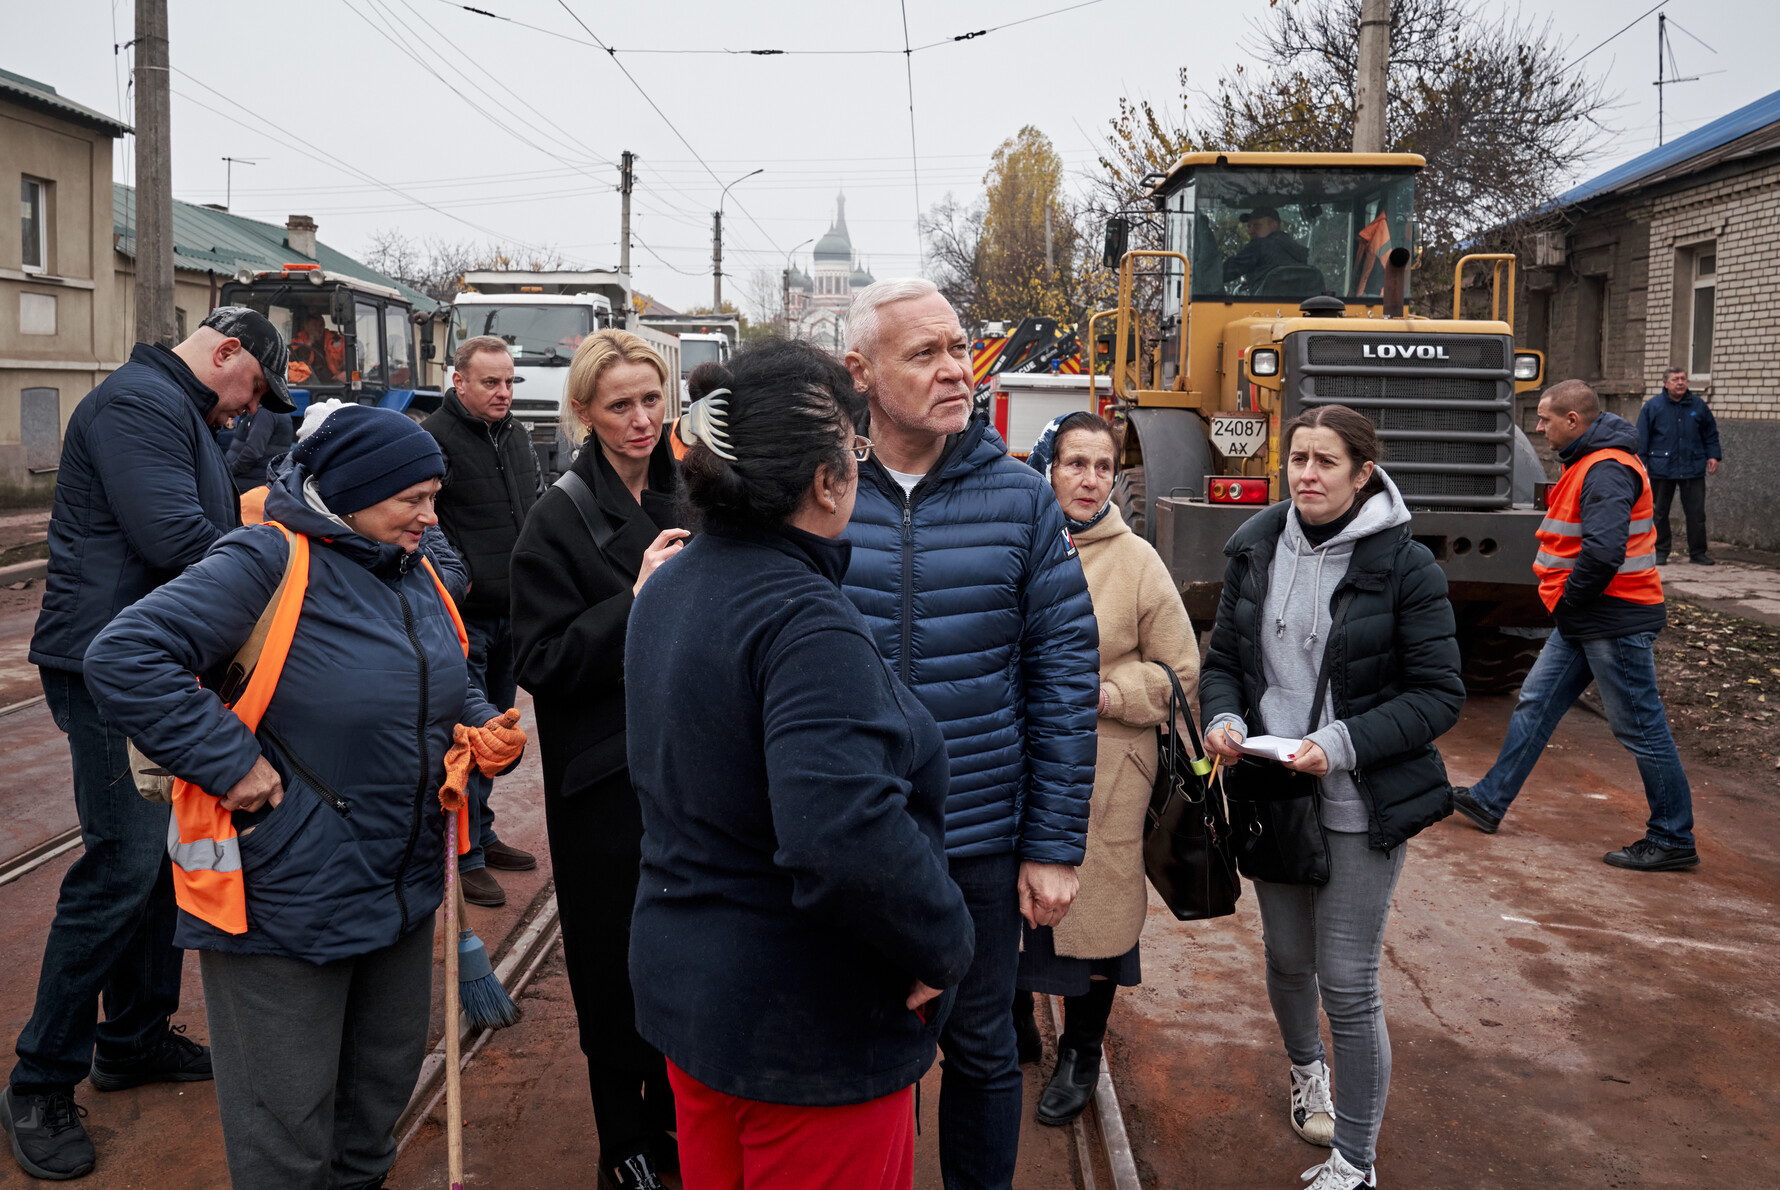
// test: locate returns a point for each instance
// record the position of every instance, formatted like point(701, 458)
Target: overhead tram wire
point(428, 67)
point(908, 73)
point(664, 119)
point(765, 53)
point(317, 153)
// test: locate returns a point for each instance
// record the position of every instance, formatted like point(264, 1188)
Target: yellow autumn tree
point(1024, 256)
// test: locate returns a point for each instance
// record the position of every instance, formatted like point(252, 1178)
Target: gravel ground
point(1716, 673)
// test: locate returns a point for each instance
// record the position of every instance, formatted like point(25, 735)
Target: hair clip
point(706, 421)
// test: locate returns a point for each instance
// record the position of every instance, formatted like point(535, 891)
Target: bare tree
point(954, 232)
point(436, 267)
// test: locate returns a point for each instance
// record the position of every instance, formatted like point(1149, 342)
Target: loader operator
point(1268, 248)
point(317, 355)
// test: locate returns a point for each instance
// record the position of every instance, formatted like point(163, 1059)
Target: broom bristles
point(485, 1003)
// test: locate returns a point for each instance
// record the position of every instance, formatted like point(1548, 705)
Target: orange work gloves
point(492, 747)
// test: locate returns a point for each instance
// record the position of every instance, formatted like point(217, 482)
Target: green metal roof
point(206, 239)
point(43, 97)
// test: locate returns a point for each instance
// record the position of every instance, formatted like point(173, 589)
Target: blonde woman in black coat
point(577, 567)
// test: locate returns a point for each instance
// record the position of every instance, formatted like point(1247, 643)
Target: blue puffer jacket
point(1675, 438)
point(142, 493)
point(974, 592)
point(353, 858)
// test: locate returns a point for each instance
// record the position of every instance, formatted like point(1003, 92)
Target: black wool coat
point(1394, 676)
point(491, 483)
point(570, 605)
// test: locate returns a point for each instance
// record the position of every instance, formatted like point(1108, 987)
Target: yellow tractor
point(1281, 287)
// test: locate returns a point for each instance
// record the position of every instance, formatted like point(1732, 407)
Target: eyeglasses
point(861, 447)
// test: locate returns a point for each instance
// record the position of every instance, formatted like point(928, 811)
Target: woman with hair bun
point(795, 923)
point(589, 545)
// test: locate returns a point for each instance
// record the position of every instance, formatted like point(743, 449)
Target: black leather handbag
point(1276, 812)
point(1187, 839)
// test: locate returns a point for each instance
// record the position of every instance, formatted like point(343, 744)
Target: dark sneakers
point(47, 1136)
point(1704, 560)
point(1071, 1086)
point(1645, 856)
point(503, 858)
point(1464, 803)
point(176, 1059)
point(634, 1171)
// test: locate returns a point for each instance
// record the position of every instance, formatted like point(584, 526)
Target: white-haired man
point(966, 572)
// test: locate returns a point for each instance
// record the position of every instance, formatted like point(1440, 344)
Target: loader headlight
point(1528, 365)
point(1263, 361)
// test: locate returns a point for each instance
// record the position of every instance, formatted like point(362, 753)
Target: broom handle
point(454, 1113)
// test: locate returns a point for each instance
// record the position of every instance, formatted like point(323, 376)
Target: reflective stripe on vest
point(201, 841)
point(206, 853)
point(1560, 537)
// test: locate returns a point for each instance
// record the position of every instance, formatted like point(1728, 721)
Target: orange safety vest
point(201, 840)
point(1560, 537)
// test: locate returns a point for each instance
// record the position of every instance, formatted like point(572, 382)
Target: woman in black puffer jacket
point(1341, 547)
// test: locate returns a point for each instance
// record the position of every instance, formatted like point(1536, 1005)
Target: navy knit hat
point(361, 456)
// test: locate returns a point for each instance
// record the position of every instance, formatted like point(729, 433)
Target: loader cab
point(1259, 229)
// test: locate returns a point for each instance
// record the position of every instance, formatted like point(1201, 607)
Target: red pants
point(730, 1143)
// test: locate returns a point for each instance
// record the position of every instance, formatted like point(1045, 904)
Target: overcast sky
point(386, 88)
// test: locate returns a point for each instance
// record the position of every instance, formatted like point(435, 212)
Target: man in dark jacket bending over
point(964, 569)
point(490, 486)
point(1597, 576)
point(142, 493)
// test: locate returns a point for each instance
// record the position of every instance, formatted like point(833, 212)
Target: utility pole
point(626, 177)
point(785, 305)
point(717, 261)
point(1374, 70)
point(1050, 266)
point(154, 178)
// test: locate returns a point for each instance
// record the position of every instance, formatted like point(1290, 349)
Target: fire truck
point(1282, 286)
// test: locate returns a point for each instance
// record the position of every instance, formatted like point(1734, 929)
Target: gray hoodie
point(1294, 632)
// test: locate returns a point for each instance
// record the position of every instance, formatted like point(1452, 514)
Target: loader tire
point(1129, 495)
point(1496, 660)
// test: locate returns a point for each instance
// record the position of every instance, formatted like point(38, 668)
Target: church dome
point(861, 276)
point(836, 245)
point(801, 280)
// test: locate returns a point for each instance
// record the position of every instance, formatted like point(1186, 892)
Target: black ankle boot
point(1070, 1088)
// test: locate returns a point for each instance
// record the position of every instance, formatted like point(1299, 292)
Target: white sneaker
point(1337, 1174)
point(1313, 1108)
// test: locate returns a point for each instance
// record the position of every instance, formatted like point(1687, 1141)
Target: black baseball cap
point(1259, 213)
point(264, 343)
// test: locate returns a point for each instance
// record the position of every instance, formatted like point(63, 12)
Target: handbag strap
point(598, 527)
point(1177, 705)
point(1322, 678)
point(247, 658)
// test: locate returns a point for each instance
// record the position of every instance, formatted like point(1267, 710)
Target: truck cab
point(349, 338)
point(1281, 286)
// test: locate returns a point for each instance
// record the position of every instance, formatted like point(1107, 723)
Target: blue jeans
point(112, 935)
point(981, 1093)
point(491, 671)
point(1623, 668)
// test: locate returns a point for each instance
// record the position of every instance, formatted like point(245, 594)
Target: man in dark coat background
point(1268, 248)
point(1678, 441)
point(491, 484)
point(142, 492)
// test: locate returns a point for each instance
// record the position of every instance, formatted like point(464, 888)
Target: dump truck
point(350, 339)
point(1281, 286)
point(704, 338)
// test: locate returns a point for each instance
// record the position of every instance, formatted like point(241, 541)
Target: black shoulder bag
point(1276, 812)
point(598, 527)
point(1187, 839)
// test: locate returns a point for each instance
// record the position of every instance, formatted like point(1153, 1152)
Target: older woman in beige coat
point(1092, 952)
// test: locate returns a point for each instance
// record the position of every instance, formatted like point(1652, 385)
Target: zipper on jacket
point(908, 579)
point(420, 734)
point(308, 774)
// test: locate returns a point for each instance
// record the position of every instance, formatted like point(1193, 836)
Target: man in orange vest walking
point(1598, 578)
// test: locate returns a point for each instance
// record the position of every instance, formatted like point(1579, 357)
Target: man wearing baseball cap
point(143, 491)
point(1268, 248)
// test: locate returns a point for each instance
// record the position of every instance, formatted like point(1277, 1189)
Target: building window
point(37, 313)
point(1705, 291)
point(179, 323)
point(34, 209)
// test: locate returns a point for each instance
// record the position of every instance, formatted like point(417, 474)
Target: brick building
point(1673, 258)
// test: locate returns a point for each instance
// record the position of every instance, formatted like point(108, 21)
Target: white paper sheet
point(1271, 747)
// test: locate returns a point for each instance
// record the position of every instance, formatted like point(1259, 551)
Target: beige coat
point(1142, 621)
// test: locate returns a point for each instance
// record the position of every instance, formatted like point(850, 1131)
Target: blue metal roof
point(1722, 131)
point(207, 239)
